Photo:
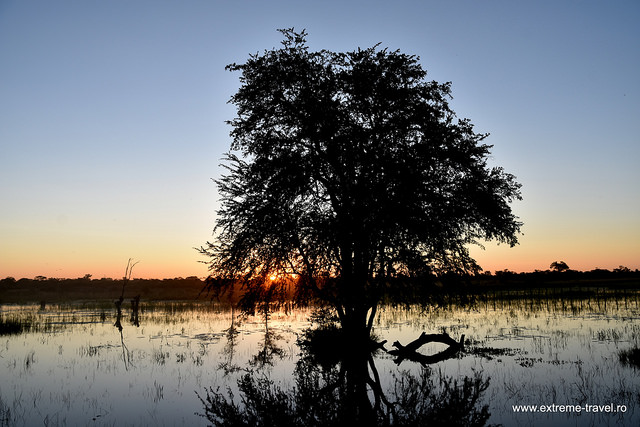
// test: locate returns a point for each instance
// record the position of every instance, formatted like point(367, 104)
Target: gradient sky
point(112, 120)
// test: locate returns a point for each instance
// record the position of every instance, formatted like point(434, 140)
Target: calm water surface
point(71, 366)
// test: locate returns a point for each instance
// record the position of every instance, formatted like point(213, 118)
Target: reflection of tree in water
point(135, 321)
point(343, 386)
point(269, 350)
point(126, 354)
point(270, 298)
point(229, 349)
point(135, 308)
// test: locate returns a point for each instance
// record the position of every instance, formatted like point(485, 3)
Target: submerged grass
point(29, 322)
point(6, 416)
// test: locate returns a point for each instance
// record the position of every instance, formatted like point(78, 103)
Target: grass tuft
point(13, 327)
point(630, 357)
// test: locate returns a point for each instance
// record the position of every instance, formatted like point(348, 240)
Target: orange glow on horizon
point(67, 261)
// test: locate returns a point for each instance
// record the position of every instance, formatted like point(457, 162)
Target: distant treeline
point(43, 289)
point(621, 277)
point(562, 274)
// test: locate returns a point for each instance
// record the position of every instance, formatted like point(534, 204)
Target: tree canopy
point(559, 266)
point(348, 169)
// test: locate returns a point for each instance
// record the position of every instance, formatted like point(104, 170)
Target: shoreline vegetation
point(540, 284)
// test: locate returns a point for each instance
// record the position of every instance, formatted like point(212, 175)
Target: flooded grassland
point(78, 364)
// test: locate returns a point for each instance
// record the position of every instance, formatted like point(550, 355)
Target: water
point(70, 365)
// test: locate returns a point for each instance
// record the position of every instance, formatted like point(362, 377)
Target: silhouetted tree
point(8, 281)
point(348, 170)
point(559, 266)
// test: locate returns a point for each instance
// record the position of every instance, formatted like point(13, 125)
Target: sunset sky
point(112, 120)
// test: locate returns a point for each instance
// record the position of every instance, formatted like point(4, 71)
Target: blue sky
point(112, 120)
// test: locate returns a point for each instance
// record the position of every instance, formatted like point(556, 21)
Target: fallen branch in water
point(410, 352)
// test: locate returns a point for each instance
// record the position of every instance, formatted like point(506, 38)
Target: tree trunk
point(356, 326)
